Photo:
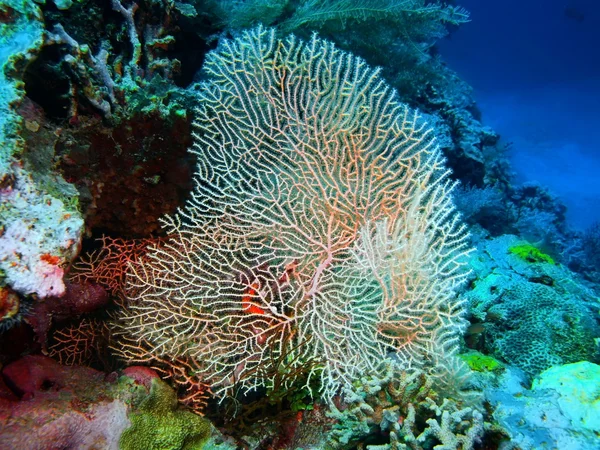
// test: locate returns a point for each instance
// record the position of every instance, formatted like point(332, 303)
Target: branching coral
point(454, 427)
point(322, 220)
point(108, 266)
point(111, 80)
point(410, 410)
point(79, 344)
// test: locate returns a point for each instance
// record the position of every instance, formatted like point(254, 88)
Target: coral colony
point(341, 260)
point(321, 223)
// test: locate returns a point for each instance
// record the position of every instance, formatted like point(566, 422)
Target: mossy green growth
point(158, 424)
point(529, 253)
point(481, 363)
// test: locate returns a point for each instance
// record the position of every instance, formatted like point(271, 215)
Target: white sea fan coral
point(321, 228)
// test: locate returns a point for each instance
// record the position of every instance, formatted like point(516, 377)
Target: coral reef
point(49, 406)
point(403, 45)
point(117, 71)
point(577, 386)
point(481, 363)
point(39, 231)
point(527, 210)
point(583, 254)
point(159, 423)
point(129, 174)
point(485, 210)
point(40, 235)
point(10, 307)
point(318, 244)
point(321, 220)
point(406, 409)
point(109, 265)
point(557, 412)
point(78, 299)
point(530, 253)
point(59, 407)
point(82, 343)
point(531, 313)
point(21, 33)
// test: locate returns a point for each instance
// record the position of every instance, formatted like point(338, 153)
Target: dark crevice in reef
point(47, 84)
point(190, 50)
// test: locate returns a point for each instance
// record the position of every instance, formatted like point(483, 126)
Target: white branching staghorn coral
point(321, 228)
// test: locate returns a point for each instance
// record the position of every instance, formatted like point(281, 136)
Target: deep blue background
point(536, 76)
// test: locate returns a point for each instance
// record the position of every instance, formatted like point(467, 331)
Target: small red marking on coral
point(247, 305)
point(50, 259)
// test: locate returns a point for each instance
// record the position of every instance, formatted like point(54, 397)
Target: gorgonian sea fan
point(321, 226)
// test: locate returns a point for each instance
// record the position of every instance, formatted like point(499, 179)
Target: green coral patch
point(481, 363)
point(158, 424)
point(529, 253)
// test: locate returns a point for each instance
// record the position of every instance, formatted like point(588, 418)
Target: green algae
point(529, 253)
point(481, 363)
point(159, 424)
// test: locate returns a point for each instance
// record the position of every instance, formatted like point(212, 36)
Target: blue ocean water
point(535, 69)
